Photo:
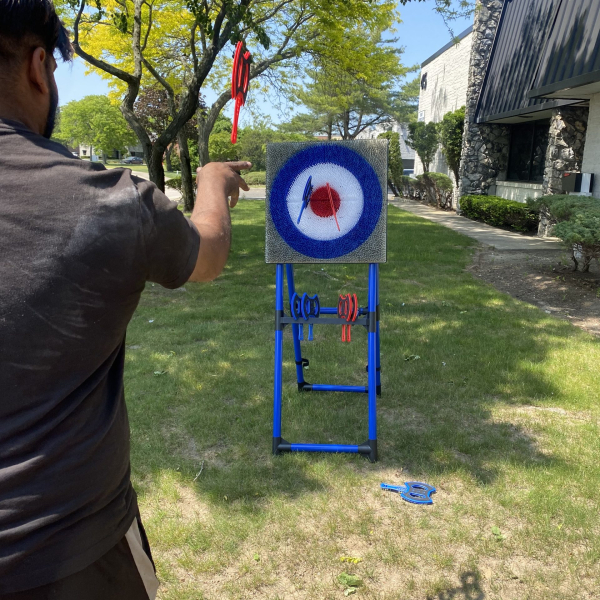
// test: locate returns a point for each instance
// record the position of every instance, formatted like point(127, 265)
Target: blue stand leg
point(278, 380)
point(372, 355)
point(378, 341)
point(295, 329)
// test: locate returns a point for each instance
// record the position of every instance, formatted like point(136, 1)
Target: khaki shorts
point(125, 572)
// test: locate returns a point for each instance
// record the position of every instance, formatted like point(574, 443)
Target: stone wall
point(485, 146)
point(568, 127)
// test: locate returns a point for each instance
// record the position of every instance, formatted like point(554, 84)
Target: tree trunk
point(203, 135)
point(187, 185)
point(329, 129)
point(168, 158)
point(154, 155)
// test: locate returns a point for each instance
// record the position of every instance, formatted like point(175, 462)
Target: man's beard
point(51, 120)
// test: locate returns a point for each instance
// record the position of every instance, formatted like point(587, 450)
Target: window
point(528, 145)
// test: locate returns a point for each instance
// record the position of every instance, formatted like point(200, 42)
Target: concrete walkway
point(254, 194)
point(484, 234)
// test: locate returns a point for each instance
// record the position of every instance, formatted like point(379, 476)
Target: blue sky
point(422, 32)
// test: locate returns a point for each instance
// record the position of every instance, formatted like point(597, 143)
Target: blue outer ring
point(359, 234)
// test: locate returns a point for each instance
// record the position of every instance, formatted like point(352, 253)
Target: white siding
point(591, 153)
point(515, 190)
point(447, 79)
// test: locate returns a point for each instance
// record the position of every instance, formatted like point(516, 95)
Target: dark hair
point(27, 23)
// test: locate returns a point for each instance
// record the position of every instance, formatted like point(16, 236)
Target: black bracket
point(303, 362)
point(369, 449)
point(303, 386)
point(280, 445)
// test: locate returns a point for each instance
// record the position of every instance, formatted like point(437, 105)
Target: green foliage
point(563, 207)
point(577, 221)
point(255, 177)
point(441, 181)
point(345, 98)
point(500, 212)
point(436, 188)
point(395, 170)
point(94, 121)
point(252, 143)
point(451, 134)
point(175, 183)
point(423, 138)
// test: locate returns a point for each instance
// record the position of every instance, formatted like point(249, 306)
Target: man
point(77, 244)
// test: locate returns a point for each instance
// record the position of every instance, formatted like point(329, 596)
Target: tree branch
point(95, 62)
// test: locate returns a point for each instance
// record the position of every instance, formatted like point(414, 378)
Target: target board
point(326, 202)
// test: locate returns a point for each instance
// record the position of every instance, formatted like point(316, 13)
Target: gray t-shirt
point(77, 244)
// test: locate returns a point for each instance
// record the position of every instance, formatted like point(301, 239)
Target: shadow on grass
point(212, 346)
point(469, 589)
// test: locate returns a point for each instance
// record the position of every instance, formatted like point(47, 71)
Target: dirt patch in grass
point(545, 279)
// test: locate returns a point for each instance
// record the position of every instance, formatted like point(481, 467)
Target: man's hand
point(216, 182)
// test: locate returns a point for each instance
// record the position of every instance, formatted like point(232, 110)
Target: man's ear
point(38, 70)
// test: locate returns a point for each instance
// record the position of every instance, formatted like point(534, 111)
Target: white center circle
point(351, 201)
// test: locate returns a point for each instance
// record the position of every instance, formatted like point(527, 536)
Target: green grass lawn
point(138, 168)
point(500, 413)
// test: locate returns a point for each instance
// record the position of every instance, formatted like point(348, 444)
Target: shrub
point(424, 139)
point(395, 169)
point(175, 183)
point(500, 212)
point(436, 188)
point(576, 221)
point(451, 134)
point(255, 177)
point(581, 234)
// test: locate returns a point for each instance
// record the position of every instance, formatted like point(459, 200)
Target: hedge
point(175, 183)
point(500, 212)
point(255, 177)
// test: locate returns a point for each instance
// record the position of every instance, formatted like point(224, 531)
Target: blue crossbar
point(324, 448)
point(319, 387)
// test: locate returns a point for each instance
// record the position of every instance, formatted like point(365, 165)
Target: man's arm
point(216, 182)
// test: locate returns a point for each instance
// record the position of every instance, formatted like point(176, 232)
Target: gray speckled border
point(374, 249)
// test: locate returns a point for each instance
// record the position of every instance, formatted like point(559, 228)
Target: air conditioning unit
point(578, 183)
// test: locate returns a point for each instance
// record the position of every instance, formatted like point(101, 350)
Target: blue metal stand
point(369, 318)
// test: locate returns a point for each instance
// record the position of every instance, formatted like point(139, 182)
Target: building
point(407, 153)
point(444, 83)
point(528, 72)
point(533, 98)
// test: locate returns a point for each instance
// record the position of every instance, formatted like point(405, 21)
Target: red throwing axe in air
point(240, 78)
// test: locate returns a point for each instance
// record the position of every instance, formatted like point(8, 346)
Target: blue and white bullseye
point(351, 206)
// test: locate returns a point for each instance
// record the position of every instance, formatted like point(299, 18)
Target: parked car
point(133, 160)
point(75, 154)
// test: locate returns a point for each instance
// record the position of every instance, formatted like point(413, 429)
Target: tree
point(252, 144)
point(96, 122)
point(451, 133)
point(395, 169)
point(407, 107)
point(180, 43)
point(155, 107)
point(219, 144)
point(347, 98)
point(423, 138)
